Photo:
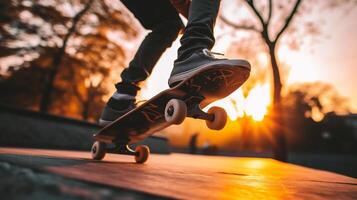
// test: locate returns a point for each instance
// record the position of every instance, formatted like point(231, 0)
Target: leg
point(197, 41)
point(198, 33)
point(162, 19)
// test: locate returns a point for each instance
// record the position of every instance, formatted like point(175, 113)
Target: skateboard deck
point(200, 89)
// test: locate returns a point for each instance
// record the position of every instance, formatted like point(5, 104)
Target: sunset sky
point(333, 59)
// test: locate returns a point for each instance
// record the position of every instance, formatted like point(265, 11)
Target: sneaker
point(200, 61)
point(121, 102)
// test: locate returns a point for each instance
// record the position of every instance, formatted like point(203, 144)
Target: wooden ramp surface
point(192, 177)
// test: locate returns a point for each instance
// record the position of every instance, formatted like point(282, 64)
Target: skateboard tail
point(221, 83)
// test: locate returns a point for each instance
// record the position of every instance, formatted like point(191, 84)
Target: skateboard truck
point(122, 149)
point(197, 113)
point(141, 152)
point(176, 111)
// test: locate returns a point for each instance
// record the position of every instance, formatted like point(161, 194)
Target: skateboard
point(171, 106)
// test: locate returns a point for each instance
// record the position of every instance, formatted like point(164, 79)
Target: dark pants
point(163, 20)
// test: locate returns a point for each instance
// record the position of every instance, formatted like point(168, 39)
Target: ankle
point(129, 89)
point(120, 104)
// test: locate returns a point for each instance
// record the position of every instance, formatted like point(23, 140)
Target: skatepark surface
point(185, 176)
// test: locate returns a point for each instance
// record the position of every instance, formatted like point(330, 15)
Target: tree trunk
point(57, 59)
point(85, 112)
point(279, 146)
point(86, 103)
point(46, 96)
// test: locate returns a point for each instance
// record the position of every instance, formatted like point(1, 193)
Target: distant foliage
point(308, 106)
point(32, 34)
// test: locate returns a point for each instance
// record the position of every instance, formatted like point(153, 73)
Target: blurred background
point(63, 58)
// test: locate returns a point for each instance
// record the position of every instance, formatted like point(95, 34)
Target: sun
point(254, 105)
point(257, 102)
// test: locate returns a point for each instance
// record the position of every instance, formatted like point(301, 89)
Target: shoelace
point(211, 54)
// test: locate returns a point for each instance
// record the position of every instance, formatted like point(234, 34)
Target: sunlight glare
point(257, 102)
point(254, 105)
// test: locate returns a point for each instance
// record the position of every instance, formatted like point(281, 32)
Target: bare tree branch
point(270, 11)
point(239, 26)
point(251, 5)
point(288, 19)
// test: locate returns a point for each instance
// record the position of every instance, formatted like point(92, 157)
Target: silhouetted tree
point(57, 58)
point(64, 58)
point(271, 20)
point(307, 105)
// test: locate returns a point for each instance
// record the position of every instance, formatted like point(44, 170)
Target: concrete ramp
point(192, 177)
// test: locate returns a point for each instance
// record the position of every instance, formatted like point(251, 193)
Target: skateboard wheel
point(175, 111)
point(142, 153)
point(99, 149)
point(219, 120)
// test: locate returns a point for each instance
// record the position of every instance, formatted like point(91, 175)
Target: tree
point(271, 20)
point(57, 58)
point(41, 40)
point(309, 105)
